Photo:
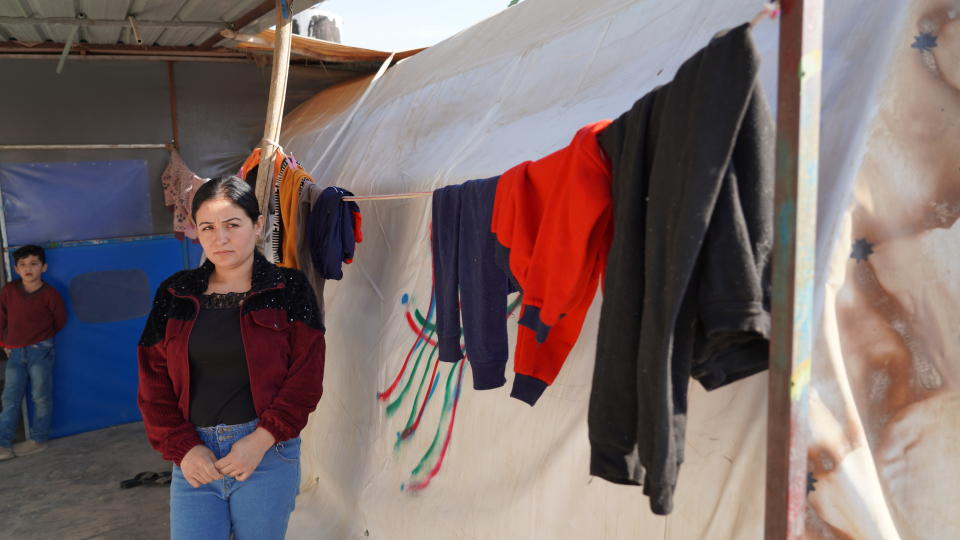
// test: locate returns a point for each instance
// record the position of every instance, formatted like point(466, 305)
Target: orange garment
point(291, 184)
point(556, 218)
point(253, 160)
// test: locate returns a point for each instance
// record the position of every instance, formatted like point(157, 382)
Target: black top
point(219, 380)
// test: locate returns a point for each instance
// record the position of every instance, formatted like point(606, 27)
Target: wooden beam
point(794, 260)
point(275, 102)
point(241, 23)
point(263, 44)
point(325, 51)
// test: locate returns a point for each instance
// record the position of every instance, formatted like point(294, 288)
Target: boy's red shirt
point(29, 318)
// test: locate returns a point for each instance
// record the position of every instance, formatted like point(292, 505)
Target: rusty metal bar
point(117, 48)
point(82, 146)
point(259, 11)
point(173, 105)
point(73, 21)
point(66, 48)
point(131, 57)
point(798, 134)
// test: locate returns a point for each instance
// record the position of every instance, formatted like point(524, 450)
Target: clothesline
point(389, 196)
point(770, 10)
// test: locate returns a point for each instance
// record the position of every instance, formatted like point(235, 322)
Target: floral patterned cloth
point(179, 185)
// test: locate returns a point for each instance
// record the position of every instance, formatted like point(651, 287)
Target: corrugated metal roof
point(31, 28)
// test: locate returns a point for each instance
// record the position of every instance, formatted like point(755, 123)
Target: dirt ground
point(72, 489)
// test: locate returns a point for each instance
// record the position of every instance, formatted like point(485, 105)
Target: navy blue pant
point(468, 282)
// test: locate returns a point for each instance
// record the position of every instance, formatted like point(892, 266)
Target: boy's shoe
point(28, 447)
point(6, 453)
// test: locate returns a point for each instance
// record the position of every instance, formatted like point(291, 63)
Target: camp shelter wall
point(512, 88)
point(220, 112)
point(108, 283)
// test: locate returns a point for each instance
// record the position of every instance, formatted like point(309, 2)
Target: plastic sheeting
point(58, 202)
point(885, 400)
point(516, 87)
point(95, 374)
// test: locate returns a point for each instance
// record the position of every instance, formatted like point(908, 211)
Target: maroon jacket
point(282, 338)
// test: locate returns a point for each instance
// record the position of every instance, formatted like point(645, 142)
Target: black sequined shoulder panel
point(293, 294)
point(272, 288)
point(165, 306)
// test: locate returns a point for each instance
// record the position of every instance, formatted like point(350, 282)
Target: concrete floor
point(72, 489)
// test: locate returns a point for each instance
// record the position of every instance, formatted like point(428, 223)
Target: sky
point(397, 25)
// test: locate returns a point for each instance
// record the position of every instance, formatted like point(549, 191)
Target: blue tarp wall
point(108, 289)
point(107, 284)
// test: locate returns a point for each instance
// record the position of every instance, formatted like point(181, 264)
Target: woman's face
point(226, 232)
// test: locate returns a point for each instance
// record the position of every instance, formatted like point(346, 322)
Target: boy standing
point(31, 312)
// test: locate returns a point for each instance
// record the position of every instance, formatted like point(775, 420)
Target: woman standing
point(231, 364)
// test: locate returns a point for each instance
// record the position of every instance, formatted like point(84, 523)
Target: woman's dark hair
point(231, 187)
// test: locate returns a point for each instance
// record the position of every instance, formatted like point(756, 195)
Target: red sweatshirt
point(556, 218)
point(29, 318)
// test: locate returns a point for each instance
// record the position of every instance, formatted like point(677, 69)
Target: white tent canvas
point(516, 87)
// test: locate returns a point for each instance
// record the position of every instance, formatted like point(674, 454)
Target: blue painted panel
point(95, 375)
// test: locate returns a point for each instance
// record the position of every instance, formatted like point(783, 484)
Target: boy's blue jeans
point(33, 363)
point(257, 508)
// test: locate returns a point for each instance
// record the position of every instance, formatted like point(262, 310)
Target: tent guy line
point(389, 196)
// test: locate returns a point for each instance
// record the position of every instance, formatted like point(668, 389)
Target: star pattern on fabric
point(811, 480)
point(862, 250)
point(924, 41)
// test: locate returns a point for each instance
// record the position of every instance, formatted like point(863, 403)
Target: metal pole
point(66, 48)
point(3, 238)
point(278, 90)
point(173, 105)
point(134, 29)
point(131, 56)
point(82, 146)
point(798, 133)
point(111, 22)
point(8, 274)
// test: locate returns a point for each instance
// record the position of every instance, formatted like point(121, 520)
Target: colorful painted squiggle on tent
point(424, 327)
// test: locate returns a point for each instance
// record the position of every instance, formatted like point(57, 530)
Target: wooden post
point(278, 90)
point(798, 138)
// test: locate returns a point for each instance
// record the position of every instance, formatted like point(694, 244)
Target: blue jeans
point(33, 363)
point(257, 508)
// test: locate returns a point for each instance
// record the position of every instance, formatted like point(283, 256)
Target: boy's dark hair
point(27, 251)
point(231, 187)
